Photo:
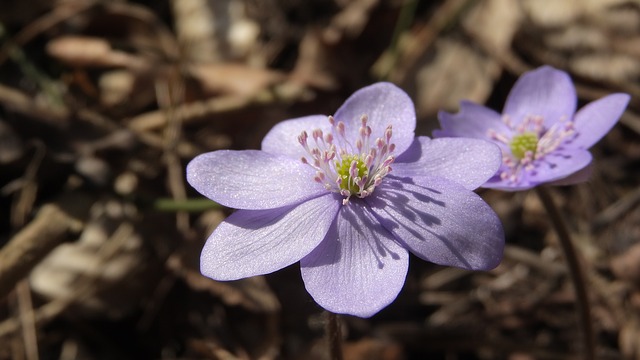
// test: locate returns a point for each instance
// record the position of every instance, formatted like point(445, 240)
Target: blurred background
point(102, 104)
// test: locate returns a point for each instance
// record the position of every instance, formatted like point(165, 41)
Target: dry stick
point(85, 284)
point(575, 271)
point(334, 337)
point(409, 54)
point(49, 229)
point(169, 94)
point(27, 320)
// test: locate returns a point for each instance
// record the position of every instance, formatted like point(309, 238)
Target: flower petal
point(252, 179)
point(577, 177)
point(255, 242)
point(469, 162)
point(440, 221)
point(545, 92)
point(559, 165)
point(283, 137)
point(472, 121)
point(384, 104)
point(595, 119)
point(550, 169)
point(359, 268)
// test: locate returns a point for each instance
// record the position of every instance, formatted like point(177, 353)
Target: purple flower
point(348, 196)
point(543, 139)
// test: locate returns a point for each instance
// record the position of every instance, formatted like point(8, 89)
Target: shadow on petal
point(438, 225)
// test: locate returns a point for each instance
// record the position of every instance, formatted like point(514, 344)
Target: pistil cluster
point(529, 142)
point(346, 168)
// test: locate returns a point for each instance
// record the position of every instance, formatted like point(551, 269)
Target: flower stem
point(188, 205)
point(334, 337)
point(575, 271)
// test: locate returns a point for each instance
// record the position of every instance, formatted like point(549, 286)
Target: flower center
point(523, 144)
point(529, 142)
point(350, 169)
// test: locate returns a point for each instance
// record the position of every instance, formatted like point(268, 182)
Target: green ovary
point(342, 169)
point(521, 144)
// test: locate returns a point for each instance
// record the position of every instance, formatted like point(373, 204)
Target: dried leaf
point(234, 79)
point(457, 72)
point(558, 13)
point(482, 20)
point(626, 266)
point(628, 340)
point(84, 51)
point(613, 68)
point(93, 274)
point(11, 146)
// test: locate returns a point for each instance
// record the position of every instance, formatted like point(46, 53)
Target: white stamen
point(549, 140)
point(345, 167)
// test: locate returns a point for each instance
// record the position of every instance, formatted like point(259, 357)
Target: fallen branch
point(49, 229)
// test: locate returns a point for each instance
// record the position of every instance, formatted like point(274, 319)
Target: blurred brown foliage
point(104, 102)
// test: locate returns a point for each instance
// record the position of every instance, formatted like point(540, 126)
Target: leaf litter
point(103, 103)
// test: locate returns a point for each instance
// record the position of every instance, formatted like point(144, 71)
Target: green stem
point(334, 337)
point(189, 205)
point(575, 271)
point(405, 18)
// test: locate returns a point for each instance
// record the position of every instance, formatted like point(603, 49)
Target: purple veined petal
point(384, 104)
point(595, 119)
point(472, 121)
point(504, 185)
point(256, 242)
point(469, 162)
point(440, 221)
point(283, 137)
point(359, 268)
point(550, 169)
point(579, 176)
point(559, 165)
point(545, 92)
point(252, 179)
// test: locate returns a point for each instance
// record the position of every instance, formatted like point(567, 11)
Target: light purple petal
point(283, 137)
point(545, 92)
point(472, 121)
point(577, 177)
point(441, 222)
point(359, 268)
point(255, 242)
point(499, 184)
point(252, 179)
point(559, 165)
point(385, 104)
point(469, 162)
point(553, 167)
point(595, 119)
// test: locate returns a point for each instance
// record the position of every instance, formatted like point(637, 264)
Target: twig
point(334, 336)
point(385, 64)
point(27, 320)
point(169, 94)
point(444, 16)
point(48, 230)
point(44, 23)
point(190, 112)
point(618, 209)
point(23, 202)
point(575, 271)
point(85, 284)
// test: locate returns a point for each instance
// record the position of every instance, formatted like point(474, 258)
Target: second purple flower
point(542, 137)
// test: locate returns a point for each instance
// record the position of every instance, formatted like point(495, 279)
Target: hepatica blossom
point(349, 196)
point(542, 137)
